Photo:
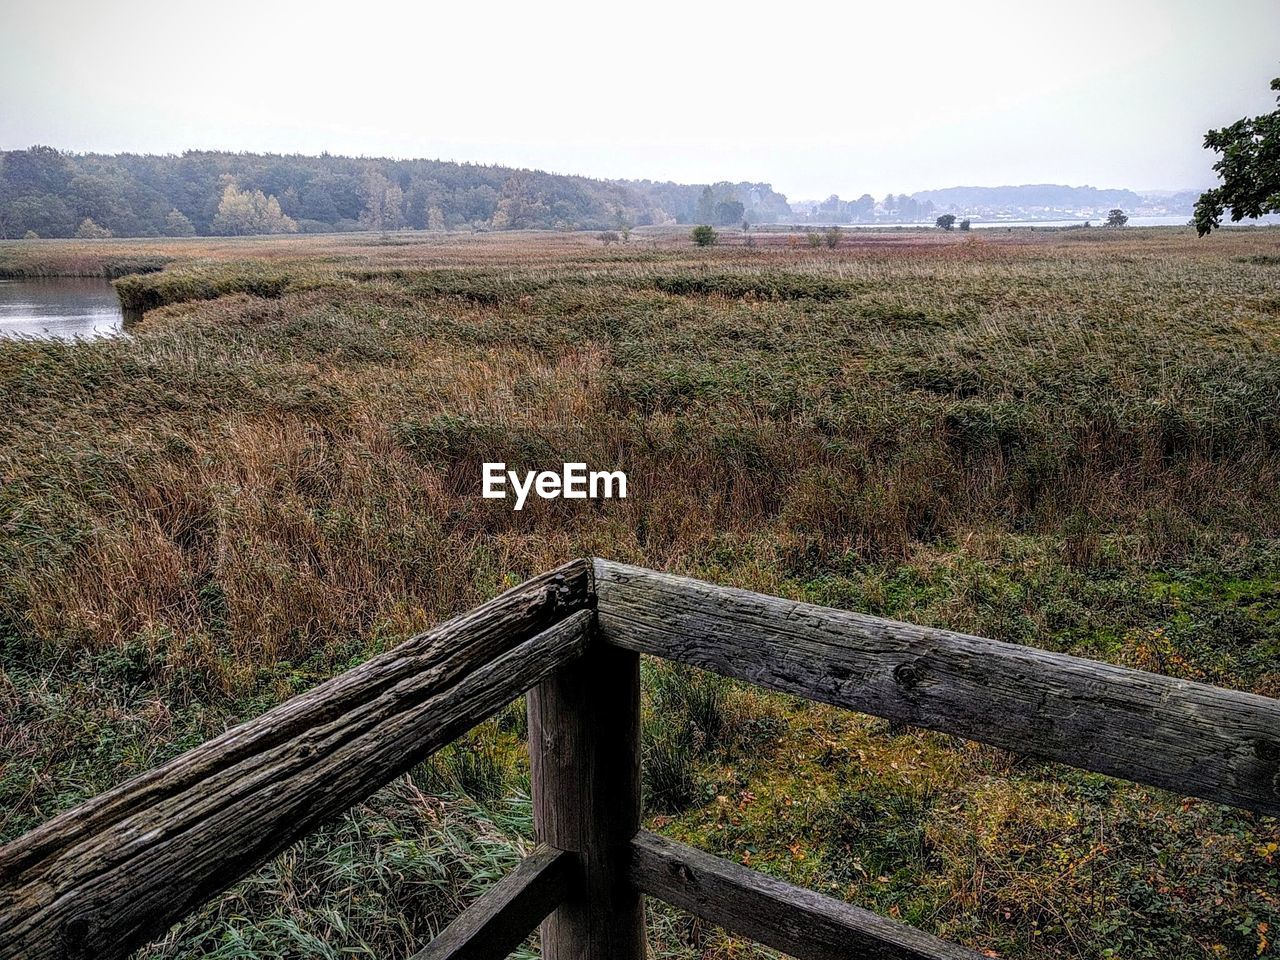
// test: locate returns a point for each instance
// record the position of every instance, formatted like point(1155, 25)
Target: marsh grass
point(1050, 439)
point(481, 765)
point(383, 879)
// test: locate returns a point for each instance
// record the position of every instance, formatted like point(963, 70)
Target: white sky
point(816, 98)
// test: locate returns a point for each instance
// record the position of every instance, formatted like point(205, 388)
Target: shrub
point(704, 235)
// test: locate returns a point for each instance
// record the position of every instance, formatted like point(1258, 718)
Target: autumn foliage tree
point(521, 205)
point(383, 203)
point(246, 213)
point(89, 230)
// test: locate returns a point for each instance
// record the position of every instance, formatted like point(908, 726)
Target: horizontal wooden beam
point(101, 879)
point(504, 916)
point(1196, 739)
point(799, 922)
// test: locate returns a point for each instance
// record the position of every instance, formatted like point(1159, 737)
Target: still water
point(61, 307)
point(1134, 221)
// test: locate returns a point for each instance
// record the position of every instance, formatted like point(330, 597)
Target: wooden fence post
point(584, 747)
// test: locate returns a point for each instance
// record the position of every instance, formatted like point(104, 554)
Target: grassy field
point(1065, 439)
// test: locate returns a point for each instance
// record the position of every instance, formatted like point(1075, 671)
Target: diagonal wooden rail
point(103, 878)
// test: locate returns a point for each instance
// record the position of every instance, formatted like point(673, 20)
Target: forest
point(45, 193)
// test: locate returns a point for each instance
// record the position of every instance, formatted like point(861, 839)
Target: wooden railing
point(102, 879)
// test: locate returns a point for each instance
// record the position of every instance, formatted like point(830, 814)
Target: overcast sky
point(816, 98)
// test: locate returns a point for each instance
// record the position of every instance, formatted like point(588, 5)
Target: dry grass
point(1068, 439)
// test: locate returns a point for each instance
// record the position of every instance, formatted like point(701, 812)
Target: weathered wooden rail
point(102, 879)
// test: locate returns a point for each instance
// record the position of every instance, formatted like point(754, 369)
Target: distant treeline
point(866, 209)
point(48, 193)
point(1030, 196)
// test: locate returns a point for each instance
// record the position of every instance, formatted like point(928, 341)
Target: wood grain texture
point(1196, 739)
point(501, 919)
point(103, 878)
point(584, 752)
point(799, 922)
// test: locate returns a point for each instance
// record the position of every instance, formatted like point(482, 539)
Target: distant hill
point(50, 193)
point(1028, 197)
point(1036, 201)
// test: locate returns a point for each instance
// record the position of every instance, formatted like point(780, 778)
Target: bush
point(89, 230)
point(704, 236)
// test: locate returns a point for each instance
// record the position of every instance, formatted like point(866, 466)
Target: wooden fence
point(100, 880)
